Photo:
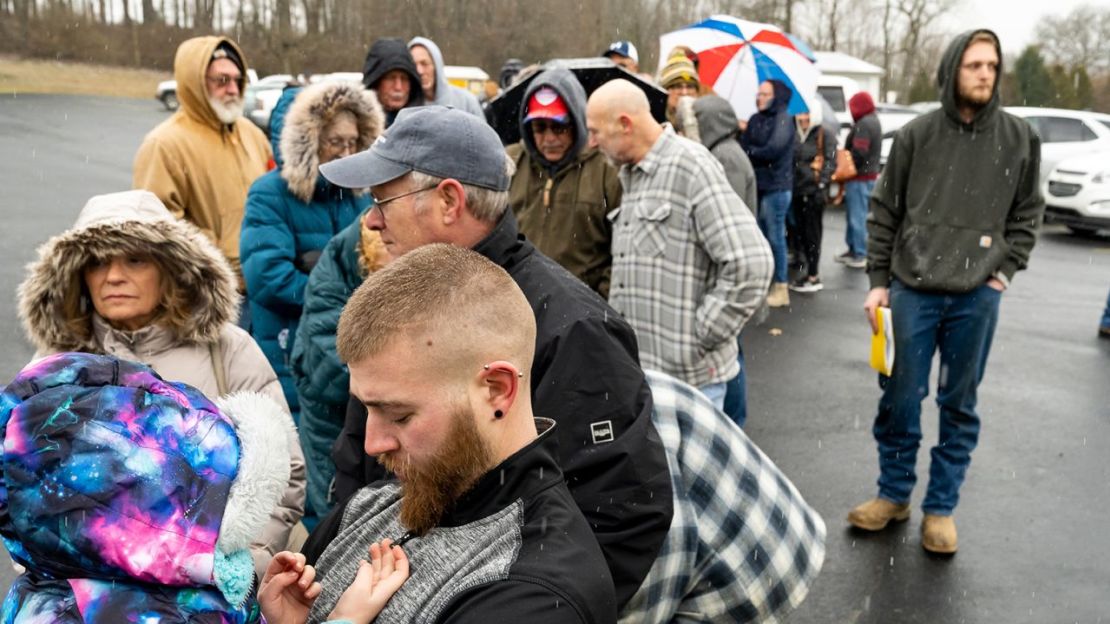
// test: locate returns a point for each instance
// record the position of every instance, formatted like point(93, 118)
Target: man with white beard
point(201, 161)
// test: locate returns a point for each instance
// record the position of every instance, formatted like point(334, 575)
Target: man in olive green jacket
point(562, 189)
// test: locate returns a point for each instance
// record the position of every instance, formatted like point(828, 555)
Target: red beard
point(431, 487)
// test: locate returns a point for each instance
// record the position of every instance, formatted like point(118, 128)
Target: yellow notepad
point(882, 343)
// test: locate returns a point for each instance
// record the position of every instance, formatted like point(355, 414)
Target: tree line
point(905, 37)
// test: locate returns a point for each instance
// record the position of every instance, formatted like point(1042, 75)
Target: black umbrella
point(504, 112)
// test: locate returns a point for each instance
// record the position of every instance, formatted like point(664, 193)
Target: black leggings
point(808, 211)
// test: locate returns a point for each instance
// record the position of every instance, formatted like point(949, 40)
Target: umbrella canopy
point(504, 113)
point(735, 55)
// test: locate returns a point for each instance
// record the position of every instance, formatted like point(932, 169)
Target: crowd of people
point(471, 382)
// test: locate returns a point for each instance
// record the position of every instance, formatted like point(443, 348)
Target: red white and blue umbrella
point(735, 55)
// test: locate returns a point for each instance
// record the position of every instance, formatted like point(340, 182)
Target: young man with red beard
point(439, 345)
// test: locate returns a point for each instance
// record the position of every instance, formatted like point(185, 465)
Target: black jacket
point(769, 143)
point(586, 376)
point(808, 181)
point(957, 202)
point(865, 139)
point(515, 548)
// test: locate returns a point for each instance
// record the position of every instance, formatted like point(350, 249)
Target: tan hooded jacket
point(199, 167)
point(57, 316)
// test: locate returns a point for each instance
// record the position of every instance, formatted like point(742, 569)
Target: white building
point(866, 75)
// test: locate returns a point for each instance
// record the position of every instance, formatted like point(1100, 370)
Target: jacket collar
point(524, 474)
point(505, 246)
point(150, 340)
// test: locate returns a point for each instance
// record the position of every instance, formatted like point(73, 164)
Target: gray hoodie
point(447, 94)
point(716, 126)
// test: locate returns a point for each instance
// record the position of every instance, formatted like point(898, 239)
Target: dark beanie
point(228, 51)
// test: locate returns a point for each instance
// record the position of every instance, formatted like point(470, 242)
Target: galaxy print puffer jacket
point(131, 499)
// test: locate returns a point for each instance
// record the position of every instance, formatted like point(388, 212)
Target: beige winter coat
point(199, 167)
point(135, 222)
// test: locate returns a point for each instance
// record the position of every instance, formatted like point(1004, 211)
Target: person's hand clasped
point(375, 583)
point(876, 298)
point(288, 589)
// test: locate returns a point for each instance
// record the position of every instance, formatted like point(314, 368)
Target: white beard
point(227, 112)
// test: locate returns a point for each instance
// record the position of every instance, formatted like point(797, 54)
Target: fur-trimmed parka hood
point(310, 114)
point(131, 222)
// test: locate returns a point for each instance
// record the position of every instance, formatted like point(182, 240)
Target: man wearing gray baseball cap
point(440, 175)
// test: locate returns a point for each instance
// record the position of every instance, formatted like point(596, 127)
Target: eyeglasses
point(540, 126)
point(380, 203)
point(223, 79)
point(339, 144)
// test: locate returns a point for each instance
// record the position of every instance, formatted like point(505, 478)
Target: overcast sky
point(1014, 20)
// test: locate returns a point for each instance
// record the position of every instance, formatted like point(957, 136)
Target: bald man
point(690, 265)
point(481, 506)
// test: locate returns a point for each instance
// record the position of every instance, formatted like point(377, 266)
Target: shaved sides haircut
point(464, 307)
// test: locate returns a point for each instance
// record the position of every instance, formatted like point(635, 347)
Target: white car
point(1065, 133)
point(1077, 193)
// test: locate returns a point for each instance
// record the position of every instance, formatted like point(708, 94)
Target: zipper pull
point(547, 192)
point(401, 541)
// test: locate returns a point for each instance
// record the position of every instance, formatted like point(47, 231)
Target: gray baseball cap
point(440, 141)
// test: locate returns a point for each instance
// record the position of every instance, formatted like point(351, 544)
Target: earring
point(498, 414)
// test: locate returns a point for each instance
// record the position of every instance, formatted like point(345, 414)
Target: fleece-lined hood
point(861, 105)
point(563, 82)
point(53, 300)
point(315, 107)
point(190, 66)
point(124, 489)
point(948, 73)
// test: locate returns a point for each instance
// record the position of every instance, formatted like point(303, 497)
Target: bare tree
point(1079, 39)
point(919, 15)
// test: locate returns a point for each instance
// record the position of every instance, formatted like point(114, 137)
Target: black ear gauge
point(498, 414)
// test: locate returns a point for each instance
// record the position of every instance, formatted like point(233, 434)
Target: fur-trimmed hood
point(310, 114)
point(53, 300)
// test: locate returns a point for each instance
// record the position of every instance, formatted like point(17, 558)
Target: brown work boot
point(938, 534)
point(876, 513)
point(780, 296)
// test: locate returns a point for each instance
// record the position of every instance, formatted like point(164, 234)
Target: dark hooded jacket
point(769, 143)
point(958, 201)
point(865, 139)
point(586, 377)
point(718, 131)
point(384, 56)
point(561, 206)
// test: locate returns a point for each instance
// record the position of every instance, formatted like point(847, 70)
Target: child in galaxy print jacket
point(132, 499)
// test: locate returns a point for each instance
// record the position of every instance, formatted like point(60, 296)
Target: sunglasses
point(223, 79)
point(541, 126)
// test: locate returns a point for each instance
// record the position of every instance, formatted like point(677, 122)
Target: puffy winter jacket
point(292, 213)
point(131, 499)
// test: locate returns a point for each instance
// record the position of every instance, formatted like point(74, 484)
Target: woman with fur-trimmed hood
point(130, 281)
point(292, 213)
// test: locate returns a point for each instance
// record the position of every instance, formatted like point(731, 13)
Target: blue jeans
point(715, 392)
point(736, 395)
point(1105, 324)
point(856, 197)
point(961, 326)
point(773, 208)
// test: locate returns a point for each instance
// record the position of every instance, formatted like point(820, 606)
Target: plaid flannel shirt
point(743, 545)
point(690, 265)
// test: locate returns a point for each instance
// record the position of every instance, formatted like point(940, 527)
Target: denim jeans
point(856, 197)
point(1105, 324)
point(715, 392)
point(736, 395)
point(773, 208)
point(961, 326)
